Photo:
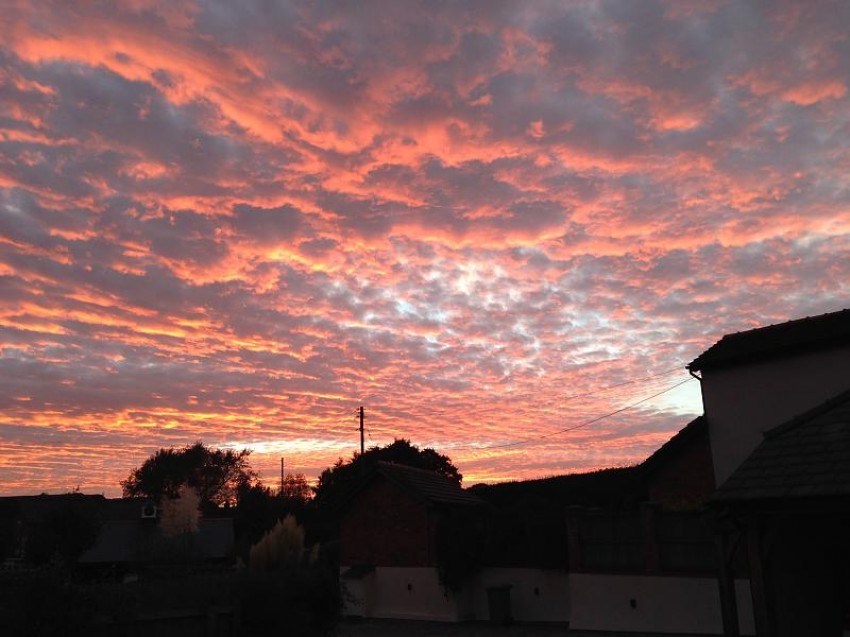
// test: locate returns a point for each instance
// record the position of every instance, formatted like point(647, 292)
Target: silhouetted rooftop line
point(428, 485)
point(783, 339)
point(807, 456)
point(670, 448)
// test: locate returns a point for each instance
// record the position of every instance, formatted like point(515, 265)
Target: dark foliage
point(295, 488)
point(217, 475)
point(336, 480)
point(62, 534)
point(259, 509)
point(8, 527)
point(44, 605)
point(530, 540)
point(297, 600)
point(461, 537)
point(617, 487)
point(469, 540)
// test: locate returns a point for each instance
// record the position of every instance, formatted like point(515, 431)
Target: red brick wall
point(687, 477)
point(386, 526)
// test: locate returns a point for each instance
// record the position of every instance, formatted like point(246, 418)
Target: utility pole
point(362, 441)
point(282, 476)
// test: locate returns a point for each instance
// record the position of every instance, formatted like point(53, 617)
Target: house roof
point(692, 431)
point(808, 456)
point(120, 524)
point(117, 541)
point(215, 536)
point(35, 508)
point(783, 339)
point(124, 508)
point(429, 486)
point(126, 540)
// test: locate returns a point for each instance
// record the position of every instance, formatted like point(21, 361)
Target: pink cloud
point(240, 225)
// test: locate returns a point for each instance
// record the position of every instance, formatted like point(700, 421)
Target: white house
point(776, 404)
point(755, 380)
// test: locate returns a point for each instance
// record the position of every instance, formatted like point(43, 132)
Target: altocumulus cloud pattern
point(237, 222)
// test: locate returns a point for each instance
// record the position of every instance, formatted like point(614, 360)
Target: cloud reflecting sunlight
point(484, 221)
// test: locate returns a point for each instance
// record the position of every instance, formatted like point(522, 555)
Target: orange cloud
point(239, 227)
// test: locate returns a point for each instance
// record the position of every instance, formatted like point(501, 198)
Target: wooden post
point(573, 541)
point(758, 580)
point(362, 439)
point(726, 583)
point(651, 559)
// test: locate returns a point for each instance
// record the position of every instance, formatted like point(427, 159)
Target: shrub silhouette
point(282, 546)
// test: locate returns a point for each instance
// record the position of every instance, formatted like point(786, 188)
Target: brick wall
point(686, 478)
point(386, 526)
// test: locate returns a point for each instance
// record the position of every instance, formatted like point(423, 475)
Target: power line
point(628, 382)
point(359, 411)
point(527, 441)
point(558, 402)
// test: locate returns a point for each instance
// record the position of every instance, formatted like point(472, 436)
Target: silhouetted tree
point(260, 508)
point(295, 488)
point(180, 515)
point(283, 545)
point(335, 480)
point(216, 475)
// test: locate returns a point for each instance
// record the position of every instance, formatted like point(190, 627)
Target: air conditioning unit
point(149, 512)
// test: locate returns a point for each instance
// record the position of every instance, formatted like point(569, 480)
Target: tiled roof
point(808, 456)
point(801, 335)
point(127, 540)
point(428, 485)
point(124, 508)
point(118, 541)
point(35, 508)
point(697, 427)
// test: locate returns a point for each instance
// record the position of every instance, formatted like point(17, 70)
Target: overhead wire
point(623, 384)
point(593, 392)
point(528, 441)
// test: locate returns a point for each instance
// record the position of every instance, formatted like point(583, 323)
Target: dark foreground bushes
point(43, 605)
point(297, 600)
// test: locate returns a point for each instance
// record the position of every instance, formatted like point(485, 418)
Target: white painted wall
point(662, 604)
point(404, 593)
point(536, 595)
point(586, 601)
point(743, 402)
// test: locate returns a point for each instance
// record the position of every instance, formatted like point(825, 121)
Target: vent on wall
point(149, 511)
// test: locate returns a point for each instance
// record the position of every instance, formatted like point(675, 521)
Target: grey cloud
point(267, 225)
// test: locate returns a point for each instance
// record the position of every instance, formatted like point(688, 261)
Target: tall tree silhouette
point(334, 481)
point(216, 475)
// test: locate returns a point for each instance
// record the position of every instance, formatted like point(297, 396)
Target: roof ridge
point(783, 324)
point(807, 415)
point(793, 337)
point(791, 462)
point(427, 485)
point(401, 465)
point(691, 429)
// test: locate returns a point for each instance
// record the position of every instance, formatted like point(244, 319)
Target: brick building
point(680, 474)
point(388, 531)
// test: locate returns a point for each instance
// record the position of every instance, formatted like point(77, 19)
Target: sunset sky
point(487, 222)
